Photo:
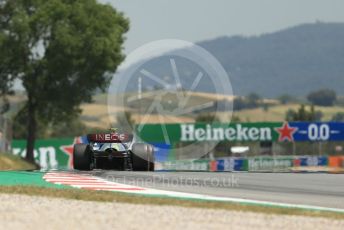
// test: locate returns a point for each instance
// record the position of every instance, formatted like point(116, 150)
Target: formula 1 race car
point(113, 151)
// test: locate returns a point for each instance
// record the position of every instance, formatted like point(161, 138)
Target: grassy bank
point(12, 162)
point(103, 196)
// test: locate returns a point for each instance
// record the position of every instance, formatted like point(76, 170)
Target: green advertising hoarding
point(205, 132)
point(49, 153)
point(256, 131)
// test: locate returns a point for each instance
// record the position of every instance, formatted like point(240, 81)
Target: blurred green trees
point(302, 114)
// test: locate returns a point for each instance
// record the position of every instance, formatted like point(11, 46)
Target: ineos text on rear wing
point(110, 138)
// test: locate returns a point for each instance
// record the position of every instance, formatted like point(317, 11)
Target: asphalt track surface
point(326, 190)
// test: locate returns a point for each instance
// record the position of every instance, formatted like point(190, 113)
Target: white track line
point(89, 182)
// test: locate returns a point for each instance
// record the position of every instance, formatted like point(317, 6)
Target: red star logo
point(68, 149)
point(286, 132)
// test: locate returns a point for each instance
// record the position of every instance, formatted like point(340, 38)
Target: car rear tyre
point(82, 157)
point(143, 157)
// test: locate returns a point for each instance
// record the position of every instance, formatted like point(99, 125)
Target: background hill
point(295, 61)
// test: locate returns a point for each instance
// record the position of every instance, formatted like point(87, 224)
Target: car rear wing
point(110, 138)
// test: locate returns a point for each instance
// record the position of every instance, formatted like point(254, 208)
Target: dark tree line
point(323, 97)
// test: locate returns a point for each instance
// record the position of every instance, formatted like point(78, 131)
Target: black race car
point(113, 151)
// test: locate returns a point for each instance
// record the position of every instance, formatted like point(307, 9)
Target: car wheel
point(142, 157)
point(82, 157)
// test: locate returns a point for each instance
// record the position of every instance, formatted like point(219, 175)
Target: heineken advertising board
point(260, 131)
point(185, 165)
point(270, 164)
point(50, 153)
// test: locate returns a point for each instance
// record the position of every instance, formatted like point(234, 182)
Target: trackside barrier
point(267, 164)
point(230, 164)
point(313, 161)
point(257, 164)
point(336, 163)
point(184, 165)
